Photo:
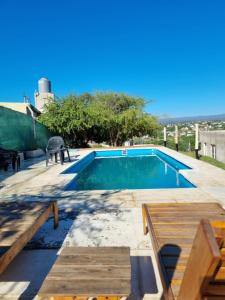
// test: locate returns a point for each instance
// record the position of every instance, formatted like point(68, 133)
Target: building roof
point(21, 107)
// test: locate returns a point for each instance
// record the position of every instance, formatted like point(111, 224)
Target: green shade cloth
point(21, 132)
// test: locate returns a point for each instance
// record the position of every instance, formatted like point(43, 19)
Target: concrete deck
point(95, 218)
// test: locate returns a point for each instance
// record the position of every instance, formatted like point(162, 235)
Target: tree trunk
point(117, 139)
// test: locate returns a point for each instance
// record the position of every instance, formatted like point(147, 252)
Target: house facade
point(213, 144)
point(25, 108)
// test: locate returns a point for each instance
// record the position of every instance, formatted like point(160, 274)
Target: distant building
point(213, 144)
point(25, 108)
point(44, 94)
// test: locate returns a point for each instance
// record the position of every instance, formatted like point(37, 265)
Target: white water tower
point(44, 94)
point(44, 85)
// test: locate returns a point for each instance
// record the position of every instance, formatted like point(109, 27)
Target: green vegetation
point(213, 161)
point(185, 143)
point(207, 159)
point(189, 153)
point(102, 117)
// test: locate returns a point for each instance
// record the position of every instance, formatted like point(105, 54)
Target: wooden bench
point(188, 241)
point(102, 273)
point(19, 221)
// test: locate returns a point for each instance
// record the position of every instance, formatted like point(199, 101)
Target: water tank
point(44, 85)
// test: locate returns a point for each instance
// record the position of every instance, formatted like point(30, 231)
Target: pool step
point(124, 152)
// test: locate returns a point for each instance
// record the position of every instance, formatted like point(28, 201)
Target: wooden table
point(19, 221)
point(83, 272)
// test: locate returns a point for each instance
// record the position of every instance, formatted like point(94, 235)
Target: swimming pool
point(127, 169)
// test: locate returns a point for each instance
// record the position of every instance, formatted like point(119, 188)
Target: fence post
point(164, 136)
point(196, 140)
point(176, 137)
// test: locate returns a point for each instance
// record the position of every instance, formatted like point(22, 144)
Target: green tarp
point(21, 132)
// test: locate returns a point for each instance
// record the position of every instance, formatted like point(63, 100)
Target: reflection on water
point(166, 168)
point(177, 179)
point(142, 172)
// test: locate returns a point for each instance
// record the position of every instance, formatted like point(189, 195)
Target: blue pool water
point(131, 169)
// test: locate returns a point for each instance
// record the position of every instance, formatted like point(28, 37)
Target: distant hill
point(192, 119)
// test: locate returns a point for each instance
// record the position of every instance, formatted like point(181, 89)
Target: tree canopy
point(101, 117)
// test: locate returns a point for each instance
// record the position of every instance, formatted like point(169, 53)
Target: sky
point(171, 52)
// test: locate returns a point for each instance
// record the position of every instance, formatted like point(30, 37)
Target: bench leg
point(17, 163)
point(6, 167)
point(61, 156)
point(14, 163)
point(145, 227)
point(56, 214)
point(47, 159)
point(68, 154)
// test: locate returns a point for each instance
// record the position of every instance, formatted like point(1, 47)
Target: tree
point(103, 117)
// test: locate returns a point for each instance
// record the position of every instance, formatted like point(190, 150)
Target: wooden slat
point(214, 298)
point(220, 274)
point(89, 272)
point(173, 214)
point(172, 250)
point(172, 227)
point(93, 260)
point(85, 287)
point(175, 233)
point(216, 290)
point(176, 241)
point(171, 261)
point(96, 251)
point(175, 273)
point(184, 206)
point(183, 220)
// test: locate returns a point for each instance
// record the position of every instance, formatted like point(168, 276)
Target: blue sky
point(170, 51)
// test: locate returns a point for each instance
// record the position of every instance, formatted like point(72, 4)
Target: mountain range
point(220, 117)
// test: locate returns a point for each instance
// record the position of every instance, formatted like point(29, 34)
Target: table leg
point(56, 214)
point(61, 156)
point(145, 228)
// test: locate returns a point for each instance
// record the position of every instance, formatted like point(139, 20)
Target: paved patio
point(95, 218)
